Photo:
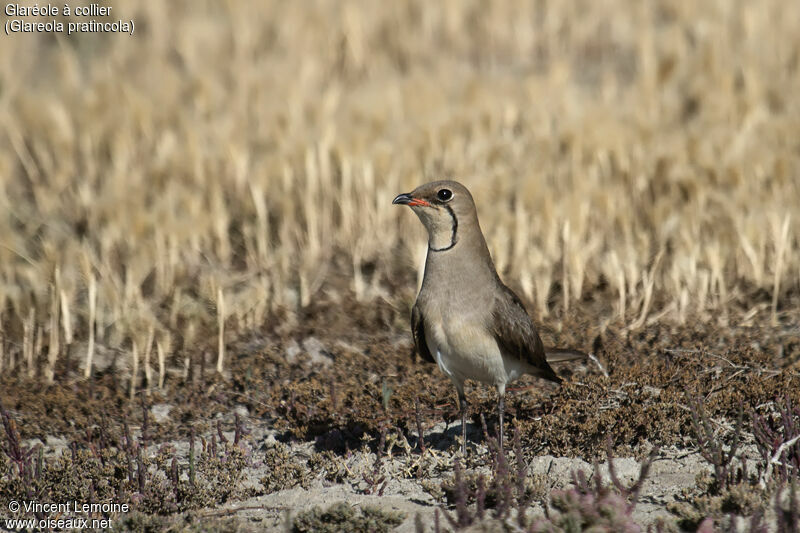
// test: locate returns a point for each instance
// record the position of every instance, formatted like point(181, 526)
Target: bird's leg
point(501, 392)
point(462, 403)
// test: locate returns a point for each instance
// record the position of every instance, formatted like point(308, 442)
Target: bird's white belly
point(464, 352)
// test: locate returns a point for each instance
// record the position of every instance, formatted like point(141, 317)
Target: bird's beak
point(407, 199)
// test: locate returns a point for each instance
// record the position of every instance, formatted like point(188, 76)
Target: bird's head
point(444, 208)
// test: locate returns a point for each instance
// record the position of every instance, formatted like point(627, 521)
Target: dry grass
point(233, 160)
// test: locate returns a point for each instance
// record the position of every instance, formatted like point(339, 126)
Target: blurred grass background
point(233, 160)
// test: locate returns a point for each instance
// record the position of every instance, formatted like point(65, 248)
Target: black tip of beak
point(403, 199)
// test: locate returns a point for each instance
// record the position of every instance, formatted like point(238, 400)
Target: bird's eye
point(444, 195)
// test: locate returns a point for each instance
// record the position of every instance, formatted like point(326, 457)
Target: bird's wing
point(516, 335)
point(418, 331)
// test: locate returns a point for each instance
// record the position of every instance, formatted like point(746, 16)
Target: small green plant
point(778, 441)
point(283, 471)
point(712, 448)
point(376, 481)
point(342, 517)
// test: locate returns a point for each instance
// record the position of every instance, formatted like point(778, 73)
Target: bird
point(465, 319)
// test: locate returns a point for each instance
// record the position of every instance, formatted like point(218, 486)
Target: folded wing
point(517, 336)
point(418, 331)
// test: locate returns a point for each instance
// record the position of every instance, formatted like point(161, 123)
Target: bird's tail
point(560, 355)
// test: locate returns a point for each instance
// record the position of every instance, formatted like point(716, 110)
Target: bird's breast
point(457, 300)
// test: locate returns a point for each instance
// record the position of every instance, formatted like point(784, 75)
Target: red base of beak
point(418, 201)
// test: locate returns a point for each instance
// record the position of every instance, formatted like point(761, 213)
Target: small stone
point(31, 443)
point(292, 351)
point(160, 412)
point(319, 355)
point(269, 442)
point(56, 443)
